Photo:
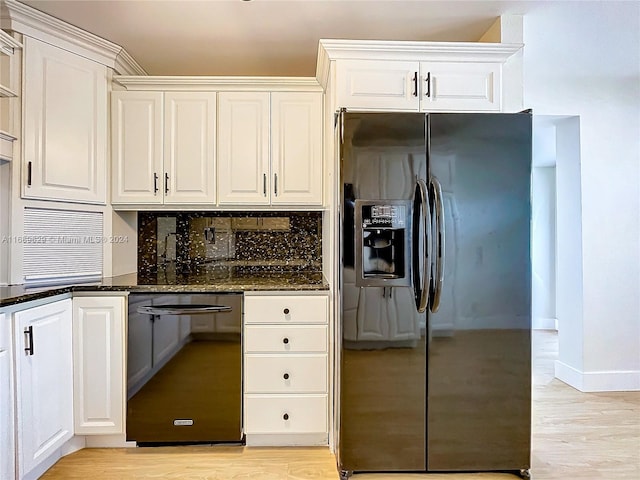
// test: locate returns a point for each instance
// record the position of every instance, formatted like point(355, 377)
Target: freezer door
point(382, 388)
point(479, 360)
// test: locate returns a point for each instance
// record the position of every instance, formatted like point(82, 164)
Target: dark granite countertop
point(171, 281)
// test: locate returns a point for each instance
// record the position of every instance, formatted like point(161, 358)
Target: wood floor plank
point(576, 436)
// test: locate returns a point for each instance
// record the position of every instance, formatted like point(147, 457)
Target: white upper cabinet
point(377, 84)
point(270, 148)
point(243, 148)
point(419, 86)
point(163, 147)
point(9, 86)
point(189, 147)
point(468, 86)
point(296, 148)
point(65, 125)
point(136, 147)
point(381, 75)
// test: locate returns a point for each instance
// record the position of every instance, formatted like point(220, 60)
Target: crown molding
point(125, 64)
point(323, 63)
point(221, 83)
point(406, 50)
point(329, 50)
point(33, 23)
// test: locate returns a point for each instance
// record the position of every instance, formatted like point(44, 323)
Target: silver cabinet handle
point(421, 245)
point(438, 211)
point(194, 309)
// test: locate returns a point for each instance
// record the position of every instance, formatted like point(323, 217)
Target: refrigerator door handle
point(438, 212)
point(421, 245)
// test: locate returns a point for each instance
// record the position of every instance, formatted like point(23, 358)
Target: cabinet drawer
point(285, 374)
point(285, 414)
point(283, 339)
point(285, 309)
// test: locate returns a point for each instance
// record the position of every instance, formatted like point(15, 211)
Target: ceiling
point(268, 37)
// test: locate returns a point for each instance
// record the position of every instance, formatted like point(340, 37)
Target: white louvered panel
point(60, 244)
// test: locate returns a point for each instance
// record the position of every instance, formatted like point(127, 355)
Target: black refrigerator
point(435, 292)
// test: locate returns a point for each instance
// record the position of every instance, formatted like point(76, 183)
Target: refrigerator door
point(479, 361)
point(383, 354)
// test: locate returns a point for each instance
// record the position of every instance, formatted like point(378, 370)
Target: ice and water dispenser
point(383, 236)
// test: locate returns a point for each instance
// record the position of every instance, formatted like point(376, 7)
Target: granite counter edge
point(206, 288)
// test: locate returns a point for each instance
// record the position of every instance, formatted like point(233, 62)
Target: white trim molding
point(220, 84)
point(329, 50)
point(603, 381)
point(544, 323)
point(33, 23)
point(6, 146)
point(8, 44)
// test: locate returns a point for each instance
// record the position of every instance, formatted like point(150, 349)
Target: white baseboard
point(42, 467)
point(74, 444)
point(109, 441)
point(279, 439)
point(603, 381)
point(542, 323)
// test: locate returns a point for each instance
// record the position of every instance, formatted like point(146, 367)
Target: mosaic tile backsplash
point(237, 242)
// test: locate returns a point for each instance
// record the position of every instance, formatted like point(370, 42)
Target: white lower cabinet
point(7, 442)
point(286, 369)
point(98, 372)
point(44, 383)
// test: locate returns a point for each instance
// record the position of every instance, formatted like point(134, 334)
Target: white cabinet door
point(296, 148)
point(136, 147)
point(189, 147)
point(460, 86)
point(7, 444)
point(98, 365)
point(377, 85)
point(44, 381)
point(65, 125)
point(243, 148)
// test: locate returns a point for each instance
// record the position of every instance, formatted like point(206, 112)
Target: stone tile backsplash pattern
point(240, 242)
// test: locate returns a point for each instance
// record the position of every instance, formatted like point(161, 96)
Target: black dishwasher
point(184, 368)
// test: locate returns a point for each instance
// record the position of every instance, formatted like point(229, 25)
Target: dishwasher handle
point(194, 309)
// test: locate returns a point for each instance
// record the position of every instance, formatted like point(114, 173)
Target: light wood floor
point(576, 436)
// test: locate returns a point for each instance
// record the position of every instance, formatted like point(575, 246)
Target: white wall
point(543, 246)
point(583, 59)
